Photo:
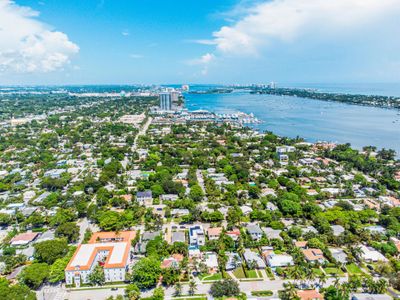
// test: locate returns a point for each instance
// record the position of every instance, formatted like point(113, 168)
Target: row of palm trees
point(179, 288)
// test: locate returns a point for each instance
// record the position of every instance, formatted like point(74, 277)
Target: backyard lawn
point(252, 274)
point(353, 269)
point(239, 273)
point(317, 272)
point(333, 271)
point(216, 276)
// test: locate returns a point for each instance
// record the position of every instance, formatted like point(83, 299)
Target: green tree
point(178, 289)
point(146, 272)
point(68, 230)
point(15, 291)
point(196, 193)
point(57, 270)
point(96, 277)
point(226, 287)
point(49, 251)
point(35, 274)
point(192, 287)
point(132, 292)
point(158, 294)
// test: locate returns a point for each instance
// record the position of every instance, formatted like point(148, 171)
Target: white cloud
point(125, 33)
point(28, 45)
point(203, 61)
point(136, 56)
point(289, 21)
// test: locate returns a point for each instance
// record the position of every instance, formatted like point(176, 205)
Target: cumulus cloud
point(203, 61)
point(288, 21)
point(28, 45)
point(136, 55)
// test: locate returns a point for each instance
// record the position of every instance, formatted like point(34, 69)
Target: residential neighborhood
point(117, 198)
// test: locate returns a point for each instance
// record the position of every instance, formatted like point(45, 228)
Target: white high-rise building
point(165, 101)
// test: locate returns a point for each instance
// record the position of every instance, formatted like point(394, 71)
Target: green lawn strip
point(216, 276)
point(270, 274)
point(317, 271)
point(353, 269)
point(252, 274)
point(265, 293)
point(333, 271)
point(239, 273)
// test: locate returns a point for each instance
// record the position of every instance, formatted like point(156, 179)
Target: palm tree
point(356, 252)
point(289, 291)
point(296, 273)
point(192, 287)
point(178, 288)
point(322, 279)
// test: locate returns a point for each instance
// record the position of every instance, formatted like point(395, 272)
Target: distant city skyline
point(50, 42)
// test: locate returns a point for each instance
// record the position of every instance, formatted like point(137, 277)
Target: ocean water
point(313, 120)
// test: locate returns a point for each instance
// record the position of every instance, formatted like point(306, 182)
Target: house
point(234, 234)
point(253, 259)
point(271, 207)
point(172, 261)
point(196, 235)
point(377, 229)
point(285, 149)
point(178, 212)
point(337, 230)
point(246, 210)
point(54, 173)
point(272, 233)
point(144, 198)
point(178, 236)
point(211, 261)
point(42, 197)
point(365, 296)
point(46, 236)
point(169, 197)
point(234, 261)
point(308, 229)
point(254, 231)
point(214, 233)
point(23, 239)
point(146, 237)
point(309, 295)
point(279, 260)
point(339, 255)
point(314, 255)
point(111, 250)
point(369, 254)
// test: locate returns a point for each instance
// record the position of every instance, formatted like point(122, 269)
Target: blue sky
point(207, 41)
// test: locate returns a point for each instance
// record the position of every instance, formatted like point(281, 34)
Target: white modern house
point(196, 235)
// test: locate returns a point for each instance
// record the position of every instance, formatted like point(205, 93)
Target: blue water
point(313, 120)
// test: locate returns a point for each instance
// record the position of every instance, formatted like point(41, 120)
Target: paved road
point(202, 288)
point(142, 131)
point(83, 225)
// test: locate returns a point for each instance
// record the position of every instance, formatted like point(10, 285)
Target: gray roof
point(252, 256)
point(145, 194)
point(178, 236)
point(272, 233)
point(254, 229)
point(147, 236)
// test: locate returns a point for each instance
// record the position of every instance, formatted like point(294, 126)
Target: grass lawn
point(216, 276)
point(353, 269)
point(317, 271)
point(193, 298)
point(239, 273)
point(333, 271)
point(270, 274)
point(252, 274)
